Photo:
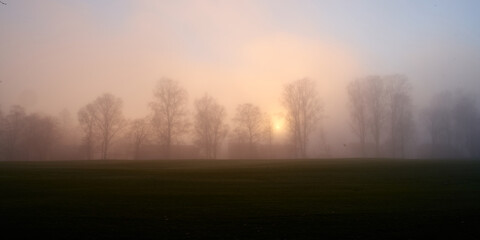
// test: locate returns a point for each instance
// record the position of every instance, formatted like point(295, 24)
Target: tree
point(248, 125)
point(399, 108)
point(103, 118)
point(466, 124)
point(139, 133)
point(2, 141)
point(405, 124)
point(87, 120)
point(302, 104)
point(358, 111)
point(39, 137)
point(376, 107)
point(28, 137)
point(439, 119)
point(170, 119)
point(268, 133)
point(14, 125)
point(69, 136)
point(109, 120)
point(67, 127)
point(209, 126)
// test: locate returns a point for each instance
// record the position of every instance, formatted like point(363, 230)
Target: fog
point(58, 56)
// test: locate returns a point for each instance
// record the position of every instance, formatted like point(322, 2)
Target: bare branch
point(209, 126)
point(300, 99)
point(170, 118)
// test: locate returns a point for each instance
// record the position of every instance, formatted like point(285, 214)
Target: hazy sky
point(63, 54)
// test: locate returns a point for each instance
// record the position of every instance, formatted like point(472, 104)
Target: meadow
point(241, 199)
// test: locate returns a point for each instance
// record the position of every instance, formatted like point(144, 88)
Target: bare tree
point(452, 122)
point(68, 137)
point(170, 119)
point(109, 120)
point(87, 120)
point(358, 111)
point(66, 126)
point(268, 133)
point(300, 98)
point(2, 135)
point(405, 124)
point(248, 125)
point(399, 109)
point(209, 126)
point(139, 132)
point(439, 118)
point(466, 124)
point(103, 118)
point(376, 105)
point(14, 125)
point(28, 137)
point(39, 137)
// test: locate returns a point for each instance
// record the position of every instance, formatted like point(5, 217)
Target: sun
point(278, 124)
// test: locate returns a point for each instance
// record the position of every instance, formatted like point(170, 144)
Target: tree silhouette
point(376, 105)
point(103, 118)
point(209, 126)
point(139, 132)
point(170, 119)
point(248, 125)
point(301, 101)
point(358, 112)
point(399, 108)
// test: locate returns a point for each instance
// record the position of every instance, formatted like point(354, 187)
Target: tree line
point(382, 119)
point(381, 108)
point(102, 122)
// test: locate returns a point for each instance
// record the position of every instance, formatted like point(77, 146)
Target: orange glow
point(278, 124)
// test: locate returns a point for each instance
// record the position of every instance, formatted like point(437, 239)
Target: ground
point(248, 199)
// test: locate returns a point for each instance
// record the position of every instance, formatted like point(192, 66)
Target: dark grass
point(233, 199)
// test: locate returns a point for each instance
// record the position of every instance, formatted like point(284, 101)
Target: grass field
point(233, 199)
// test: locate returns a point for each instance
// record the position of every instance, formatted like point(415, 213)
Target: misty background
point(58, 56)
